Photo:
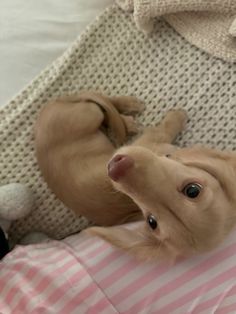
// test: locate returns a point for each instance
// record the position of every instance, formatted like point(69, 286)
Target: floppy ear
point(139, 242)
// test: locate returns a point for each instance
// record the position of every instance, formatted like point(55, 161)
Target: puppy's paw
point(178, 115)
point(132, 127)
point(133, 105)
point(128, 104)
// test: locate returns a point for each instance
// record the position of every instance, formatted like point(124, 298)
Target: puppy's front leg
point(167, 130)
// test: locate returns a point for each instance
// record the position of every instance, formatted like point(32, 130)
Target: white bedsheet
point(34, 33)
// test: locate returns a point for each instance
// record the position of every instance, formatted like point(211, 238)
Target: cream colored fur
point(73, 154)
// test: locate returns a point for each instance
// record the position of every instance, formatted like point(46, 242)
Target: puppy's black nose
point(119, 165)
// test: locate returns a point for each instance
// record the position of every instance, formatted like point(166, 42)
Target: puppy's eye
point(192, 190)
point(151, 220)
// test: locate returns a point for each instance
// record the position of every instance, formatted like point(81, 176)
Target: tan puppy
point(186, 196)
point(73, 153)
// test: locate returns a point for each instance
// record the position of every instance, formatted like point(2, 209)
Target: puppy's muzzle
point(119, 165)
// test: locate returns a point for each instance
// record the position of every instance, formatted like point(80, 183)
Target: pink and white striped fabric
point(84, 274)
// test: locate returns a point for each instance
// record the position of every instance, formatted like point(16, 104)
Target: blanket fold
point(191, 18)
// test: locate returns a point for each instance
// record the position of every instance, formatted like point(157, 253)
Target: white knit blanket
point(113, 56)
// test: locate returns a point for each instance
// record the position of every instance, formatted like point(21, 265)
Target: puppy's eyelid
point(202, 184)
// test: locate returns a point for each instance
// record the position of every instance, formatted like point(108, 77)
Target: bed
point(34, 34)
point(83, 274)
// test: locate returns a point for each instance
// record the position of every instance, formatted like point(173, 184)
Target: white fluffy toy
point(16, 201)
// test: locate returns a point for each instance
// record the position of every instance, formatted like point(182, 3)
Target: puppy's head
point(188, 200)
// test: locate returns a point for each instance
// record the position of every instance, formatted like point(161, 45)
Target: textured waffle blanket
point(84, 274)
point(113, 56)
